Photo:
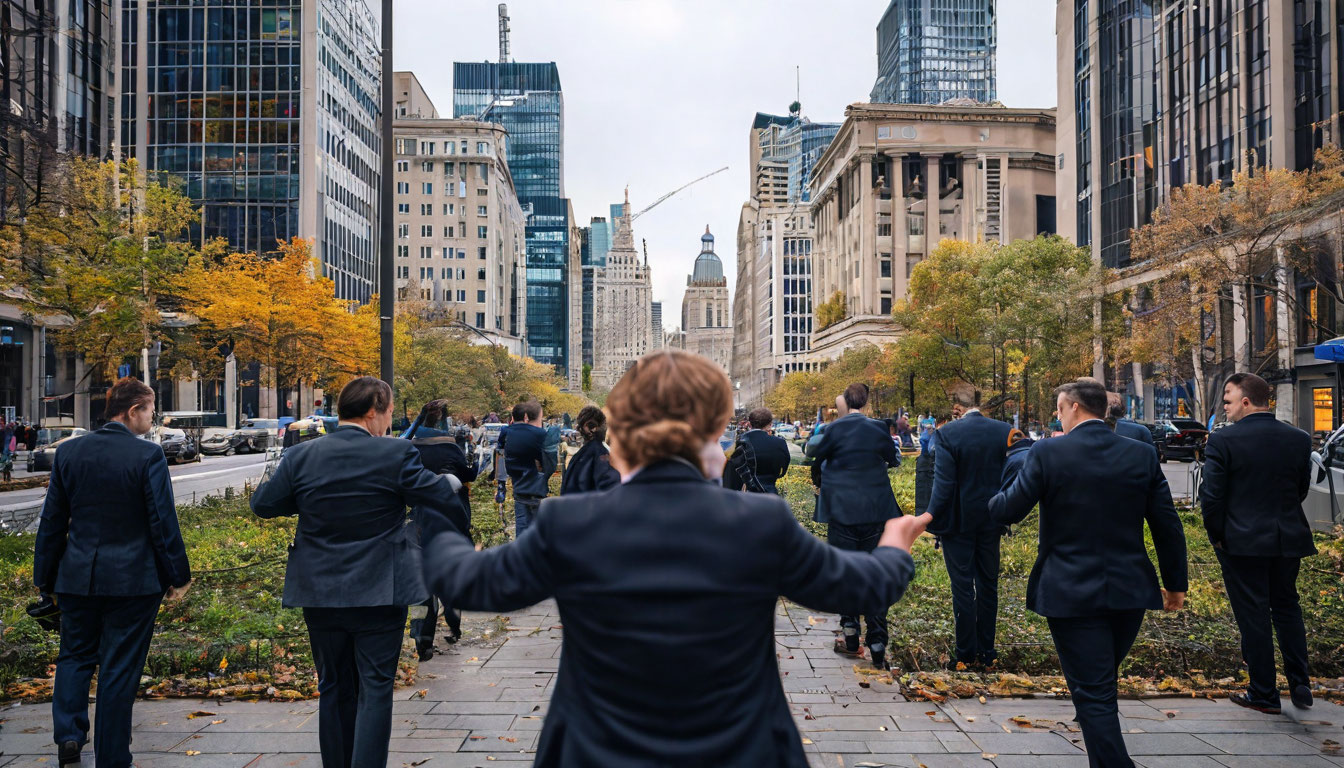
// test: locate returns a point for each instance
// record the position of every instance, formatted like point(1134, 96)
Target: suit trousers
point(112, 634)
point(1263, 594)
point(861, 538)
point(923, 481)
point(973, 568)
point(422, 630)
point(1090, 650)
point(524, 512)
point(356, 652)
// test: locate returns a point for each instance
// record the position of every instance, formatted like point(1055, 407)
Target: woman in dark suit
point(590, 469)
point(668, 585)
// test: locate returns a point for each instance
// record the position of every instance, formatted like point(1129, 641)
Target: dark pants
point(112, 634)
point(356, 652)
point(1263, 594)
point(973, 568)
point(524, 512)
point(861, 538)
point(1090, 650)
point(422, 630)
point(923, 481)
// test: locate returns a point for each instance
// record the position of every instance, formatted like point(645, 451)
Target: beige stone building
point(706, 316)
point(898, 179)
point(622, 307)
point(459, 227)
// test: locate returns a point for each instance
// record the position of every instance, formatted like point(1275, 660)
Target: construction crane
point(655, 203)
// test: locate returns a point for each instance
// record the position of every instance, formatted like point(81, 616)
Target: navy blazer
point(1256, 474)
point(855, 487)
point(1014, 461)
point(1095, 489)
point(967, 472)
point(1133, 430)
point(524, 448)
point(109, 524)
point(441, 454)
point(589, 470)
point(771, 460)
point(352, 546)
point(667, 587)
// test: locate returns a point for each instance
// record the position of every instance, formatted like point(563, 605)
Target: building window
point(481, 252)
point(482, 148)
point(404, 251)
point(449, 169)
point(886, 305)
point(480, 297)
point(403, 188)
point(426, 209)
point(403, 231)
point(482, 231)
point(482, 211)
point(480, 273)
point(448, 209)
point(1322, 409)
point(426, 230)
point(403, 166)
point(427, 188)
point(482, 191)
point(427, 165)
point(404, 208)
point(426, 252)
point(426, 147)
point(886, 268)
point(480, 319)
point(462, 297)
point(447, 254)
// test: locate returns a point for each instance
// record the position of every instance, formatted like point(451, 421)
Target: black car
point(1180, 439)
point(254, 436)
point(177, 447)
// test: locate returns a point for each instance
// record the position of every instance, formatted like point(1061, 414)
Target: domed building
point(706, 317)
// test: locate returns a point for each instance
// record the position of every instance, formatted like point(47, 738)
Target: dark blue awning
point(1332, 350)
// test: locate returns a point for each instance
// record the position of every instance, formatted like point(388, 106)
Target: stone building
point(706, 317)
point(460, 231)
point(989, 170)
point(622, 307)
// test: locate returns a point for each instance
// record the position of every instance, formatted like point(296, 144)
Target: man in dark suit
point(967, 471)
point(1256, 473)
point(856, 499)
point(1092, 580)
point(109, 549)
point(759, 459)
point(354, 565)
point(523, 445)
point(1124, 426)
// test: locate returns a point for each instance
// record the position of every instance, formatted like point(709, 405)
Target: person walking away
point(590, 469)
point(354, 565)
point(903, 430)
point(968, 471)
point(856, 501)
point(1092, 580)
point(442, 452)
point(1125, 427)
point(668, 585)
point(109, 550)
point(760, 458)
point(1018, 447)
point(924, 469)
point(523, 444)
point(1256, 474)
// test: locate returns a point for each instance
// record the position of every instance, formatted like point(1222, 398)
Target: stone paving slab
point(485, 702)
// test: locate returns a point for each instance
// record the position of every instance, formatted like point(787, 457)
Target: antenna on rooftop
point(796, 108)
point(503, 33)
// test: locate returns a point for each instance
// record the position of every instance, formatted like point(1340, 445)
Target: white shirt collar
point(969, 411)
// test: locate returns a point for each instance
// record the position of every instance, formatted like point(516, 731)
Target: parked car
point(42, 459)
point(177, 447)
point(786, 431)
point(49, 436)
point(1180, 439)
point(254, 436)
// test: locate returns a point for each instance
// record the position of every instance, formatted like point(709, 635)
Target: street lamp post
point(387, 290)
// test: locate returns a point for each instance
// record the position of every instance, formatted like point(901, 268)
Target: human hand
point(902, 531)
point(1172, 601)
point(713, 459)
point(176, 593)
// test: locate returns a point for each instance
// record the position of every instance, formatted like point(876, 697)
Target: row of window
point(409, 146)
point(427, 230)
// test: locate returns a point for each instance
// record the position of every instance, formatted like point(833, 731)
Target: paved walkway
point(484, 702)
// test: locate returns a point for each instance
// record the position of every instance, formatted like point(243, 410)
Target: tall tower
point(932, 51)
point(706, 316)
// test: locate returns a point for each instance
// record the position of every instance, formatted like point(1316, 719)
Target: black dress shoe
point(879, 659)
point(1242, 700)
point(1302, 697)
point(426, 654)
point(68, 753)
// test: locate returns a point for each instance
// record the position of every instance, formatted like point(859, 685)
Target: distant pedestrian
point(109, 550)
point(1257, 472)
point(523, 446)
point(1121, 423)
point(903, 431)
point(590, 469)
point(759, 458)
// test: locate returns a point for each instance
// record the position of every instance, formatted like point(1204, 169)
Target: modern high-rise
point(527, 100)
point(267, 115)
point(657, 324)
point(772, 303)
point(460, 228)
point(622, 307)
point(933, 51)
point(706, 317)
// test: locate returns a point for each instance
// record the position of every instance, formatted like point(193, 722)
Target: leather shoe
point(426, 654)
point(842, 648)
point(68, 753)
point(1242, 700)
point(1302, 697)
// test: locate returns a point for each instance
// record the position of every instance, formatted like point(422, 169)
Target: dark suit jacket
point(353, 547)
point(1095, 489)
point(1256, 474)
point(525, 458)
point(109, 525)
point(855, 487)
point(667, 587)
point(1133, 430)
point(441, 454)
point(967, 472)
point(1014, 461)
point(589, 470)
point(771, 455)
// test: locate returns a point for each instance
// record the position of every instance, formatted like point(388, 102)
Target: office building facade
point(622, 307)
point(526, 98)
point(934, 51)
point(706, 316)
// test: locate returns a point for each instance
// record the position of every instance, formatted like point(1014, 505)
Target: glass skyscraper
point(931, 51)
point(527, 100)
point(213, 101)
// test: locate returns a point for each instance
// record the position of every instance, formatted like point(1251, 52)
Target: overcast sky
point(659, 92)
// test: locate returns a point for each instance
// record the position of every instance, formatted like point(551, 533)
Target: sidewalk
point(484, 703)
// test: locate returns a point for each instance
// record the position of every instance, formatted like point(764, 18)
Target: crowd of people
point(666, 556)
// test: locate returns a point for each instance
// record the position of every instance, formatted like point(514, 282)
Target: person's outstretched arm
point(1168, 534)
point(275, 497)
point(1011, 505)
point(504, 578)
point(52, 531)
point(821, 577)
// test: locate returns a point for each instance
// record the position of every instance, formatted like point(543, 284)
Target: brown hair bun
point(669, 404)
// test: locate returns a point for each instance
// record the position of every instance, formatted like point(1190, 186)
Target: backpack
point(743, 463)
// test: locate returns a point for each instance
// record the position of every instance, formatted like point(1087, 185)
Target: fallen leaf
point(200, 713)
point(806, 740)
point(223, 663)
point(216, 722)
point(982, 699)
point(420, 694)
point(193, 752)
point(811, 621)
point(421, 762)
point(989, 755)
